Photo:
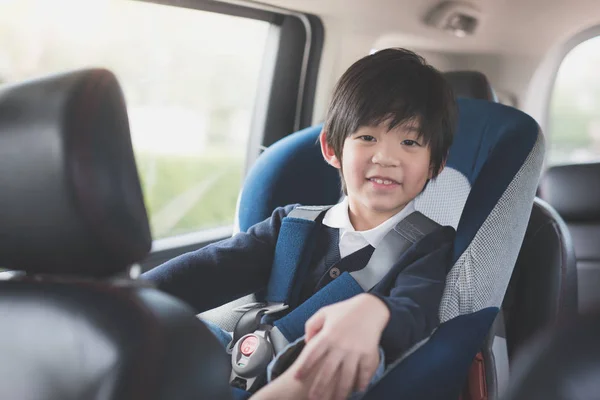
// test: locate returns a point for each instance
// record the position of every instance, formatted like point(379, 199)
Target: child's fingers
point(347, 377)
point(314, 325)
point(329, 391)
point(366, 370)
point(309, 356)
point(323, 386)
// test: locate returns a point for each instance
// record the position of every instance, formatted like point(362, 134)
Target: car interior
point(133, 131)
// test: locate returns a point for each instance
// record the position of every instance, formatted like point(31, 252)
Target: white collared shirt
point(351, 240)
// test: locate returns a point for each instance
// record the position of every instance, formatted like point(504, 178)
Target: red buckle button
point(249, 345)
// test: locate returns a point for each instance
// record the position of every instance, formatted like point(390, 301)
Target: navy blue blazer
point(226, 270)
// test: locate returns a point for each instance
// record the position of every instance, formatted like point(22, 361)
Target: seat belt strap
point(293, 251)
point(341, 288)
point(407, 232)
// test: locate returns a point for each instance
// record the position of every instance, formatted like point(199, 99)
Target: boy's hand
point(343, 344)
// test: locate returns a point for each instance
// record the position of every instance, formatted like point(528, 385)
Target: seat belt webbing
point(407, 232)
point(294, 248)
point(342, 288)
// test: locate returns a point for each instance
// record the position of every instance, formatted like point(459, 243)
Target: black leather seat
point(574, 191)
point(560, 365)
point(543, 287)
point(73, 218)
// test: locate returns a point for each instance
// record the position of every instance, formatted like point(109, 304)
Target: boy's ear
point(328, 153)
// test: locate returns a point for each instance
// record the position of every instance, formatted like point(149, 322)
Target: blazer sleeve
point(225, 270)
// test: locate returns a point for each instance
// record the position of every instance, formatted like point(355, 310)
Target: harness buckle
point(250, 356)
point(251, 347)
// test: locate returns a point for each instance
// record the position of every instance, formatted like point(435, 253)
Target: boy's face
point(383, 170)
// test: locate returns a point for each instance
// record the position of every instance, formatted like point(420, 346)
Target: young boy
point(388, 130)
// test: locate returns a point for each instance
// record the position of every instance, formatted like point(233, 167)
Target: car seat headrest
point(71, 199)
point(471, 84)
point(573, 191)
point(290, 171)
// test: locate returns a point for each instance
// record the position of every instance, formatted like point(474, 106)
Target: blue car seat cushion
point(437, 370)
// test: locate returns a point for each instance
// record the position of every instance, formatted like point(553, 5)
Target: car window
point(190, 80)
point(574, 117)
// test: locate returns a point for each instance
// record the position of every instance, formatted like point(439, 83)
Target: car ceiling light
point(458, 18)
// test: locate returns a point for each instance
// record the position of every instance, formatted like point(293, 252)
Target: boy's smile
point(383, 182)
point(383, 171)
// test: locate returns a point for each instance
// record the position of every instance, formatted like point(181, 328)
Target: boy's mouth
point(382, 180)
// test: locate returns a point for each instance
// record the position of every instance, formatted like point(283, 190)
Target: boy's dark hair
point(398, 85)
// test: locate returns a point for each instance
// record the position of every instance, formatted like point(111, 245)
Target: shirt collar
point(338, 217)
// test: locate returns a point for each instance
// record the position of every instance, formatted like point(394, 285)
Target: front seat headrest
point(471, 84)
point(71, 199)
point(573, 191)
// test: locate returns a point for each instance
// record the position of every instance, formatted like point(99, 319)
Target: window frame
point(284, 103)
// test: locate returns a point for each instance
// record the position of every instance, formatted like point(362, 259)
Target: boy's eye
point(367, 138)
point(410, 143)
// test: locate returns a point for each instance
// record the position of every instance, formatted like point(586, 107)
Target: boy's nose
point(384, 158)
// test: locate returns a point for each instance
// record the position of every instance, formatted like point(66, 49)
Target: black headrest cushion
point(574, 191)
point(470, 84)
point(71, 199)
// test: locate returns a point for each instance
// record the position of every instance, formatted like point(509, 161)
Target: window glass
point(574, 118)
point(190, 80)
